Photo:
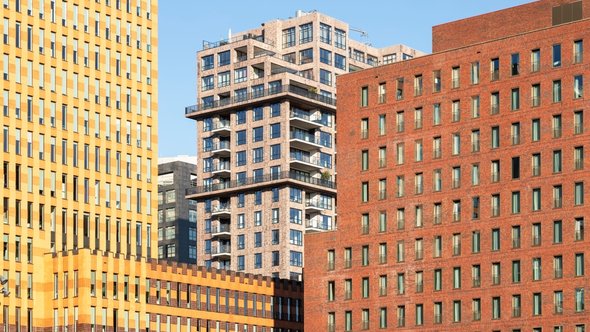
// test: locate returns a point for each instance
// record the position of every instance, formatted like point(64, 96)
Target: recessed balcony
point(221, 211)
point(222, 252)
point(305, 162)
point(317, 224)
point(304, 141)
point(314, 206)
point(221, 149)
point(221, 231)
point(303, 119)
point(221, 128)
point(222, 169)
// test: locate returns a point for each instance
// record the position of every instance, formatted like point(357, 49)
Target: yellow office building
point(79, 224)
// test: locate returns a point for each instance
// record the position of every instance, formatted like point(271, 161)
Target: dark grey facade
point(177, 216)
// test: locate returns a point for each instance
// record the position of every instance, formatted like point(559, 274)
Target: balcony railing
point(223, 249)
point(223, 145)
point(260, 94)
point(222, 208)
point(303, 136)
point(260, 179)
point(224, 228)
point(318, 203)
point(225, 166)
point(260, 38)
point(307, 159)
point(303, 115)
point(318, 224)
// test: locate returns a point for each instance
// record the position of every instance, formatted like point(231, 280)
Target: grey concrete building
point(177, 216)
point(266, 139)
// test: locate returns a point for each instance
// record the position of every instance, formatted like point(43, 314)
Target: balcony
point(221, 149)
point(222, 169)
point(303, 119)
point(229, 187)
point(276, 92)
point(221, 211)
point(221, 128)
point(315, 205)
point(305, 162)
point(222, 252)
point(221, 231)
point(314, 225)
point(304, 141)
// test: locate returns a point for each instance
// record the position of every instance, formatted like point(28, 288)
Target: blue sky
point(184, 24)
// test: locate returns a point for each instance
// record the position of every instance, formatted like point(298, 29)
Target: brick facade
point(528, 216)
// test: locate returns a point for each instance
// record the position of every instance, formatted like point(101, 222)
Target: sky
point(185, 24)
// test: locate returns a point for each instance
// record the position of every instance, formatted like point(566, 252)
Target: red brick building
point(462, 183)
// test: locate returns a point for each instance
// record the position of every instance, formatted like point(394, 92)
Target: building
point(177, 216)
point(266, 170)
point(465, 194)
point(79, 124)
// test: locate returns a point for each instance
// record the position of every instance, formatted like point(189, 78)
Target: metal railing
point(260, 94)
point(316, 224)
point(260, 38)
point(225, 166)
point(260, 179)
point(306, 159)
point(220, 229)
point(300, 114)
point(223, 249)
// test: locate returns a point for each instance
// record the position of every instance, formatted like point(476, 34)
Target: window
point(579, 264)
point(495, 69)
point(516, 271)
point(436, 115)
point(535, 95)
point(365, 255)
point(418, 150)
point(556, 55)
point(515, 167)
point(558, 302)
point(579, 193)
point(364, 128)
point(515, 99)
point(515, 64)
point(455, 111)
point(305, 33)
point(578, 86)
point(579, 296)
point(557, 196)
point(289, 37)
point(495, 139)
point(536, 269)
point(418, 85)
point(536, 130)
point(578, 51)
point(496, 274)
point(556, 91)
point(455, 77)
point(418, 118)
point(516, 304)
point(365, 192)
point(535, 60)
point(557, 232)
point(536, 164)
point(579, 229)
point(475, 73)
point(419, 314)
point(537, 304)
point(436, 81)
point(495, 103)
point(456, 144)
point(475, 140)
point(495, 239)
point(325, 77)
point(382, 157)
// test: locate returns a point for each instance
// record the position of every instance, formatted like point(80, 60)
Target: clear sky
point(184, 24)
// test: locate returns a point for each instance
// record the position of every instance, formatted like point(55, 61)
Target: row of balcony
point(289, 88)
point(329, 184)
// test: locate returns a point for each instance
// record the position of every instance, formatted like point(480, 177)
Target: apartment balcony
point(221, 149)
point(294, 91)
point(221, 169)
point(304, 141)
point(228, 188)
point(305, 162)
point(317, 224)
point(315, 205)
point(221, 231)
point(221, 128)
point(221, 211)
point(303, 119)
point(222, 252)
